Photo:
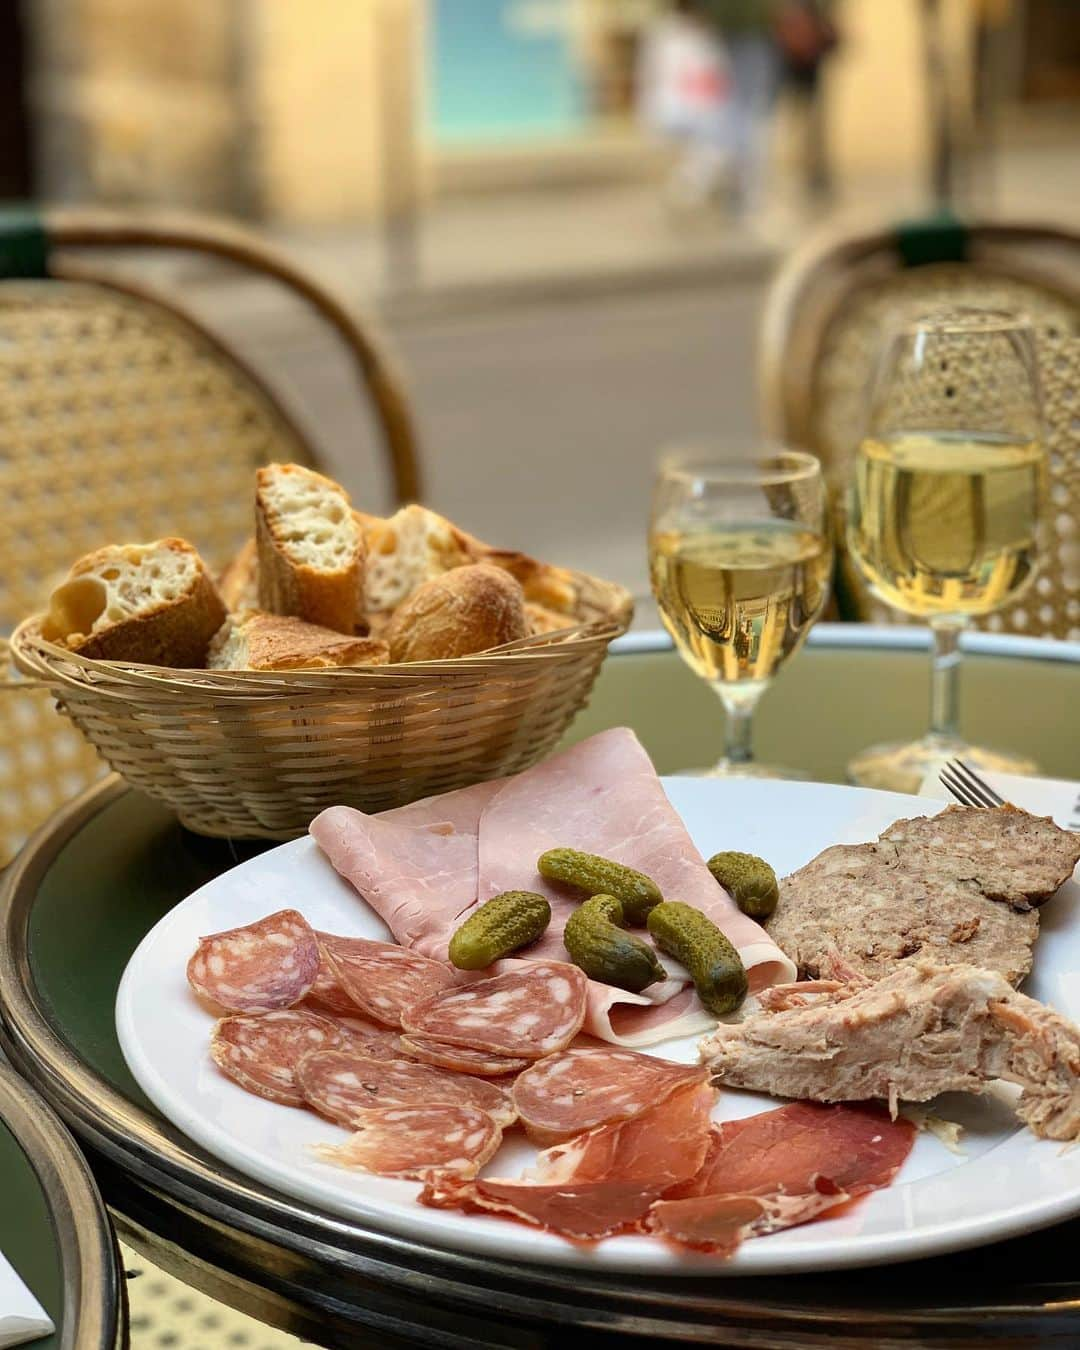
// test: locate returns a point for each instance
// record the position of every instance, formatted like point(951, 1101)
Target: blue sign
point(503, 70)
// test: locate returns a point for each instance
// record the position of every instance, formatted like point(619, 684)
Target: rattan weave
point(256, 755)
point(823, 335)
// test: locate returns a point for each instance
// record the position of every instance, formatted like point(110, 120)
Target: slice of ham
point(380, 978)
point(414, 1141)
point(580, 1088)
point(423, 867)
point(342, 1086)
point(603, 1181)
point(782, 1168)
point(261, 967)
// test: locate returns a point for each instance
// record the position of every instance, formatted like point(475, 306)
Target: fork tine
point(956, 787)
point(980, 785)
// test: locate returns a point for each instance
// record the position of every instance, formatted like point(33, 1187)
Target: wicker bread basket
point(258, 754)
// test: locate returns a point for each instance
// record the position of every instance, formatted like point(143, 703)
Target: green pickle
point(595, 939)
point(499, 927)
point(751, 881)
point(594, 875)
point(714, 965)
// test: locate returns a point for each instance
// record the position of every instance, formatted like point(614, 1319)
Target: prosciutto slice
point(601, 1182)
point(781, 1168)
point(424, 867)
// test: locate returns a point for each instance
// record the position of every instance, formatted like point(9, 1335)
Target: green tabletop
point(26, 1233)
point(833, 700)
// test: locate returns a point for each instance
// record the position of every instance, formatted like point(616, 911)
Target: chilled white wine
point(944, 524)
point(738, 600)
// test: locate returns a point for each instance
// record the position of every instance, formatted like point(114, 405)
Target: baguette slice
point(238, 584)
point(281, 642)
point(151, 603)
point(416, 545)
point(310, 547)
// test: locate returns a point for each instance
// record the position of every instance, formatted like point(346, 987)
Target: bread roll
point(413, 546)
point(310, 547)
point(151, 603)
point(281, 642)
point(469, 609)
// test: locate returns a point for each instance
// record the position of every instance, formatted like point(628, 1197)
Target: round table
point(102, 873)
point(53, 1226)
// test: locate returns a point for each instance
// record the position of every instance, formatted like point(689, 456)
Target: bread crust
point(330, 597)
point(284, 642)
point(174, 633)
point(466, 610)
point(238, 584)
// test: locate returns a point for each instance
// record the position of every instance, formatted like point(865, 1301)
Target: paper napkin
point(1056, 797)
point(22, 1318)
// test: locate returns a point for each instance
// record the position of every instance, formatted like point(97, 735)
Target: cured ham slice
point(782, 1168)
point(380, 978)
point(413, 1141)
point(602, 1182)
point(262, 967)
point(568, 1093)
point(532, 1010)
point(342, 1086)
point(260, 1051)
point(460, 1058)
point(424, 867)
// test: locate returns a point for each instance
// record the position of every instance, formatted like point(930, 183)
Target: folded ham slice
point(423, 867)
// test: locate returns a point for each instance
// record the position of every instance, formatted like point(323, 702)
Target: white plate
point(1006, 1183)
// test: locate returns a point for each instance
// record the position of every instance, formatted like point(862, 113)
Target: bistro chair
point(123, 418)
point(822, 334)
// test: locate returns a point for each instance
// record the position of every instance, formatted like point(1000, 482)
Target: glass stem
point(739, 702)
point(945, 678)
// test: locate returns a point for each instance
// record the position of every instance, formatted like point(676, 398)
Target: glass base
point(904, 766)
point(730, 768)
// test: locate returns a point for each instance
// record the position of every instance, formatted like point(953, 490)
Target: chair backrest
point(123, 418)
point(822, 334)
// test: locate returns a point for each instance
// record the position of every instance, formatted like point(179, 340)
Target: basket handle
point(9, 683)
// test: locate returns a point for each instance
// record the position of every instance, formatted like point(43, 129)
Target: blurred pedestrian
point(806, 35)
point(684, 96)
point(747, 30)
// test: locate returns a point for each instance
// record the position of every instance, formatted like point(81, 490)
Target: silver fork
point(966, 785)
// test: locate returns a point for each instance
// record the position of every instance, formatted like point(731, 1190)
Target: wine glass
point(946, 504)
point(740, 560)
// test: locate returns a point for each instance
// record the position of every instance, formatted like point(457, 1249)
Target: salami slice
point(327, 993)
point(260, 1051)
point(365, 1038)
point(532, 1011)
point(342, 1086)
point(580, 1088)
point(414, 1141)
point(461, 1058)
point(267, 965)
point(381, 979)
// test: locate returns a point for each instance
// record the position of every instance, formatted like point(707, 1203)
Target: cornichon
point(751, 881)
point(594, 875)
point(596, 942)
point(499, 927)
point(714, 964)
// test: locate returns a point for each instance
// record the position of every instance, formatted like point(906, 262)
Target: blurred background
point(563, 214)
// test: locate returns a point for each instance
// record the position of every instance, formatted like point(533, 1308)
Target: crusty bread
point(282, 642)
point(413, 546)
point(468, 609)
point(238, 584)
point(151, 603)
point(416, 545)
point(543, 620)
point(310, 547)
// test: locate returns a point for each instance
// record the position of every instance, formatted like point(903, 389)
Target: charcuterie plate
point(1002, 1182)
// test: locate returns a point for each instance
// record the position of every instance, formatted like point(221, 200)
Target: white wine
point(738, 600)
point(942, 524)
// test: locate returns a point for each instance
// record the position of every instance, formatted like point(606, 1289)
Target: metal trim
point(94, 1301)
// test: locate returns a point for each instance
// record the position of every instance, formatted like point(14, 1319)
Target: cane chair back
point(122, 418)
point(822, 336)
